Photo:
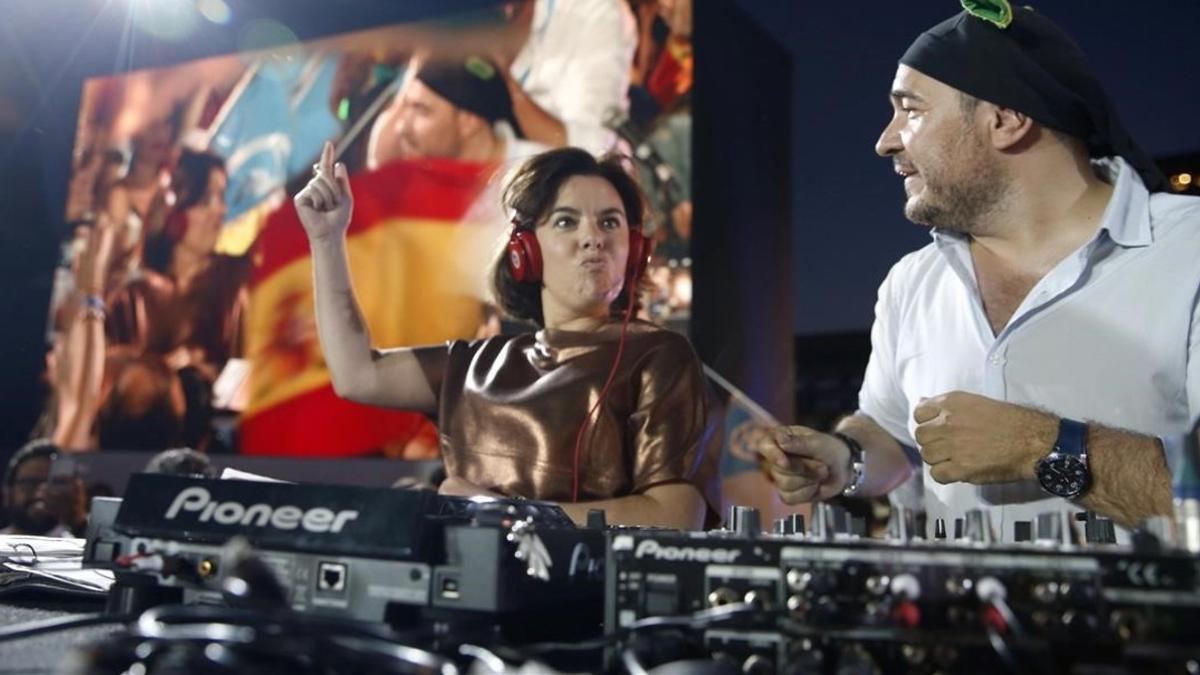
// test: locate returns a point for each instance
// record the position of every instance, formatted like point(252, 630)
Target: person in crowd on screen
point(187, 306)
point(568, 69)
point(457, 109)
point(116, 395)
point(39, 500)
point(135, 364)
point(182, 462)
point(1043, 352)
point(138, 203)
point(450, 108)
point(515, 411)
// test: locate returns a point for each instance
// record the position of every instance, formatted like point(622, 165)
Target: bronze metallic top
point(510, 408)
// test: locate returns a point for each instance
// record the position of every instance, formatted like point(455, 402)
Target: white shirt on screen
point(576, 65)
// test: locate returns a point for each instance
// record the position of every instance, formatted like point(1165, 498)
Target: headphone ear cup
point(176, 226)
point(640, 248)
point(524, 256)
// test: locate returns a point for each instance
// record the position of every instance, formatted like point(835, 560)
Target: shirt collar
point(1127, 217)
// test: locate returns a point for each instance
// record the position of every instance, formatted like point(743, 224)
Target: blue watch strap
point(1072, 438)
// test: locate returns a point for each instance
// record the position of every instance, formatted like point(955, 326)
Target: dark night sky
point(847, 220)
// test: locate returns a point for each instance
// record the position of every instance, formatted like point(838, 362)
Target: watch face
point(1063, 475)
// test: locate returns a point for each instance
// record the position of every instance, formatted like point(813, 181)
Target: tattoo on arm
point(353, 317)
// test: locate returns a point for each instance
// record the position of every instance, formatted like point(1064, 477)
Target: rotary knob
point(745, 521)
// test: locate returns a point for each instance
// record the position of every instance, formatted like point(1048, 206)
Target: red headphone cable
point(612, 374)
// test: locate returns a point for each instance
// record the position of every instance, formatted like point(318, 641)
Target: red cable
point(612, 373)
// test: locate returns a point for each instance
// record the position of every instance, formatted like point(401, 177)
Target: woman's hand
point(325, 204)
point(460, 487)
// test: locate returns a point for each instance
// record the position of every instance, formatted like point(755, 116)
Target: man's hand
point(805, 465)
point(974, 439)
point(325, 204)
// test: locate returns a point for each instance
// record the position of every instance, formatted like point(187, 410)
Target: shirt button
point(995, 359)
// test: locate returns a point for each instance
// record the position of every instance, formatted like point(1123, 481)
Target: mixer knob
point(1128, 624)
point(979, 527)
point(757, 664)
point(939, 528)
point(1056, 527)
point(722, 596)
point(795, 604)
point(757, 599)
point(1098, 529)
point(878, 585)
point(1045, 592)
point(822, 522)
point(790, 524)
point(745, 521)
point(798, 580)
point(989, 589)
point(914, 655)
point(1049, 528)
point(907, 614)
point(901, 525)
point(906, 587)
point(959, 586)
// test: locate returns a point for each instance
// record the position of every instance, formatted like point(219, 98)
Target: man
point(568, 67)
point(1043, 353)
point(450, 109)
point(36, 502)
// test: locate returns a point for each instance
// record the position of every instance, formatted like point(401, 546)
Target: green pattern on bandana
point(480, 68)
point(997, 12)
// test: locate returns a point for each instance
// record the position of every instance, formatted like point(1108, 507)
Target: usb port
point(450, 588)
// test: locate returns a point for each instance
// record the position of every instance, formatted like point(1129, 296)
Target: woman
point(187, 305)
point(514, 410)
point(184, 311)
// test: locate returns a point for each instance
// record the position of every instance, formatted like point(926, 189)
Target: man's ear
point(1006, 127)
point(468, 123)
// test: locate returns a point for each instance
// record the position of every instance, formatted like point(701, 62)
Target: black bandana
point(1024, 62)
point(475, 85)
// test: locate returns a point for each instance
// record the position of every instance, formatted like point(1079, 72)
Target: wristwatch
point(857, 466)
point(1064, 472)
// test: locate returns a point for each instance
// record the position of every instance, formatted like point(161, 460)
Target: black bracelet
point(857, 465)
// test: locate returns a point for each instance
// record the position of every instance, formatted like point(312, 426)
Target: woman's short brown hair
point(529, 196)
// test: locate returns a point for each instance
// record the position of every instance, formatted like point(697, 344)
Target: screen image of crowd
point(182, 313)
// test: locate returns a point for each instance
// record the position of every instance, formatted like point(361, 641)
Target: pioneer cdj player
point(395, 556)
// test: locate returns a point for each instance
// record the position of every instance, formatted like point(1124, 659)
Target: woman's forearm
point(392, 378)
point(345, 341)
point(676, 505)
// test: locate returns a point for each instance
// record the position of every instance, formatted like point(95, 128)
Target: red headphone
point(525, 256)
point(176, 225)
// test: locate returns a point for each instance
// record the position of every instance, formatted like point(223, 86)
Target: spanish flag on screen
point(411, 267)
